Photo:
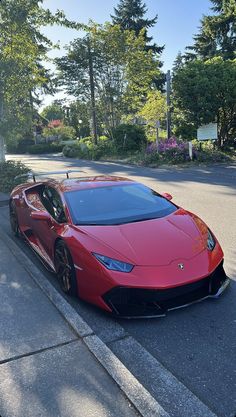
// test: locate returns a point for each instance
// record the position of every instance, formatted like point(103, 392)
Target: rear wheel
point(14, 219)
point(65, 269)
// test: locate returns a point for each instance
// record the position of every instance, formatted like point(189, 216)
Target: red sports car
point(118, 244)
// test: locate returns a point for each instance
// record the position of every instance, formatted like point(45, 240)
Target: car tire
point(65, 269)
point(14, 219)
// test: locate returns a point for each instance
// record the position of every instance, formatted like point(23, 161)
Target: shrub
point(211, 156)
point(170, 150)
point(152, 158)
point(102, 149)
point(129, 137)
point(152, 148)
point(170, 143)
point(72, 151)
point(176, 155)
point(20, 146)
point(85, 149)
point(208, 152)
point(44, 148)
point(8, 171)
point(103, 138)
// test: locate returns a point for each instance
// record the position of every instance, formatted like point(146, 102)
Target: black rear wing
point(33, 175)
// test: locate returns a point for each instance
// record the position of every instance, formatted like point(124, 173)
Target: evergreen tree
point(178, 63)
point(205, 92)
point(204, 78)
point(217, 36)
point(130, 14)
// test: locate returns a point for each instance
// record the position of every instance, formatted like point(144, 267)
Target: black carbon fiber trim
point(139, 302)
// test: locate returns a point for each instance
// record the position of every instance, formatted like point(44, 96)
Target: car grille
point(139, 302)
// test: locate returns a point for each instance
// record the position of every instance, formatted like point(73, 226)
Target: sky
point(178, 21)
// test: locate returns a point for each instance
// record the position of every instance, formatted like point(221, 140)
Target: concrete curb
point(132, 388)
point(141, 399)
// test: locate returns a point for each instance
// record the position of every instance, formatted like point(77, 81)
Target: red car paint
point(155, 247)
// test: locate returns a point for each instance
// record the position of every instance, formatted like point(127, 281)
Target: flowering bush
point(60, 132)
point(165, 145)
point(175, 151)
point(170, 143)
point(169, 150)
point(55, 123)
point(151, 148)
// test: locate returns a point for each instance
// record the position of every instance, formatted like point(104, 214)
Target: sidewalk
point(45, 369)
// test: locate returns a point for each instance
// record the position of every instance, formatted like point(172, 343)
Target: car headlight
point(210, 241)
point(113, 264)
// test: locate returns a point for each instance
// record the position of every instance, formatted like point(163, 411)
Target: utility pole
point(2, 150)
point(92, 94)
point(168, 91)
point(157, 133)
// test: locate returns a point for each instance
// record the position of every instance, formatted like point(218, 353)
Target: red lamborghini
point(118, 244)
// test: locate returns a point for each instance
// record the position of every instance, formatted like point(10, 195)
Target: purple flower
point(166, 145)
point(151, 148)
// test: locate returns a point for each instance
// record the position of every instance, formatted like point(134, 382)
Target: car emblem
point(181, 266)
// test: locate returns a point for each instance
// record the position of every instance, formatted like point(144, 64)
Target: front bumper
point(138, 302)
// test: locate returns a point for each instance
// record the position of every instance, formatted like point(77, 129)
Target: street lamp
point(80, 123)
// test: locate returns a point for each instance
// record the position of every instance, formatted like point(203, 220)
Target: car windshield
point(116, 204)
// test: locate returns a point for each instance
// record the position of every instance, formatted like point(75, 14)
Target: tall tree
point(217, 35)
point(122, 71)
point(204, 92)
point(130, 14)
point(204, 78)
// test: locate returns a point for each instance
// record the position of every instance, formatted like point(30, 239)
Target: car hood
point(180, 235)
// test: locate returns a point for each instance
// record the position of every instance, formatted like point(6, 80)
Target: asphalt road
point(196, 344)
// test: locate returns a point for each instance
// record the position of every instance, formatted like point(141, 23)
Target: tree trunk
point(92, 94)
point(2, 150)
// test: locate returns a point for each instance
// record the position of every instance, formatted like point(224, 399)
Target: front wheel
point(65, 269)
point(14, 219)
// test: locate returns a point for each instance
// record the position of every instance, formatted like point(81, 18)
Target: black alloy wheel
point(14, 219)
point(65, 269)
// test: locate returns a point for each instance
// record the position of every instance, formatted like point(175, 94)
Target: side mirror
point(40, 215)
point(167, 196)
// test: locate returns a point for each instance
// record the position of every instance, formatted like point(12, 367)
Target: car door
point(48, 230)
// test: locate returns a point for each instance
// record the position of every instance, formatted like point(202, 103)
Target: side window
point(53, 204)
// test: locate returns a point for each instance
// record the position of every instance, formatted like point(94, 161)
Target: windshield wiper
point(118, 223)
point(142, 220)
